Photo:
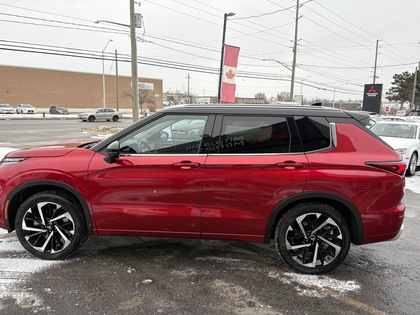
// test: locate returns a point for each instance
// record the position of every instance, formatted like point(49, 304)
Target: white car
point(398, 118)
point(6, 109)
point(403, 137)
point(101, 114)
point(25, 109)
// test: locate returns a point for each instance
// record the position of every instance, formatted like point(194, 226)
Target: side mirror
point(112, 152)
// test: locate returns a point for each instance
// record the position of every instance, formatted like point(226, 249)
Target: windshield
point(406, 131)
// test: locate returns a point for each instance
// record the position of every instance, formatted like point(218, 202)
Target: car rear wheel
point(50, 225)
point(312, 238)
point(115, 118)
point(91, 118)
point(412, 166)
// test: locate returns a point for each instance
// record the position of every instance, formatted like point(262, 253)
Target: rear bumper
point(384, 226)
point(399, 233)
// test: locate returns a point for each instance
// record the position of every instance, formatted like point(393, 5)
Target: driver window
point(170, 134)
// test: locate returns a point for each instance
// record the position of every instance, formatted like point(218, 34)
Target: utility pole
point(413, 97)
point(376, 60)
point(292, 83)
point(134, 74)
point(116, 81)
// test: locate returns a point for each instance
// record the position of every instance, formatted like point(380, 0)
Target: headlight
point(8, 160)
point(401, 151)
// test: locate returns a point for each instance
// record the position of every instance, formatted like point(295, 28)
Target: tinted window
point(171, 134)
point(254, 134)
point(314, 132)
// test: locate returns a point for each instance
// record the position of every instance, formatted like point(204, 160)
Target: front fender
point(25, 190)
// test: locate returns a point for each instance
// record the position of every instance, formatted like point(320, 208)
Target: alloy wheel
point(314, 240)
point(48, 228)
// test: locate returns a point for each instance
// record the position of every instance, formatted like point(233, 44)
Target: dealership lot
point(127, 275)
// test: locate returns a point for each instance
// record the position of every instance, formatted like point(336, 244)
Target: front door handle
point(186, 165)
point(290, 165)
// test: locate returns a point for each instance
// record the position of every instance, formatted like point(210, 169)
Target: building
point(43, 88)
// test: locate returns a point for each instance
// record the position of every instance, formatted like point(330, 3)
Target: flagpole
point(219, 91)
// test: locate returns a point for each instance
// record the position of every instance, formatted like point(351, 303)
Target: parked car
point(101, 114)
point(397, 118)
point(58, 110)
point(312, 179)
point(25, 109)
point(404, 137)
point(373, 120)
point(6, 109)
point(414, 112)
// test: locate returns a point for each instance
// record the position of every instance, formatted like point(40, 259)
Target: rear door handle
point(290, 165)
point(186, 165)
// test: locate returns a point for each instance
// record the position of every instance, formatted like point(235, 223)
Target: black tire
point(115, 118)
point(318, 244)
point(91, 118)
point(412, 165)
point(50, 225)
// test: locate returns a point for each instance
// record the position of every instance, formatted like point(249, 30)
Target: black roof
point(258, 109)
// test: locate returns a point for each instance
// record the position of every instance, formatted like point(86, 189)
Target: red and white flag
point(230, 64)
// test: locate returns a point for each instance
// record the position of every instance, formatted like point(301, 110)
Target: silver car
point(101, 114)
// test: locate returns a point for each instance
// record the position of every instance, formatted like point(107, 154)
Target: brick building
point(43, 88)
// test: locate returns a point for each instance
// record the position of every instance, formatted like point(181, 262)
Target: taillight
point(394, 167)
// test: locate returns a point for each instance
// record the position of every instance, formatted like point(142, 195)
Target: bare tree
point(283, 96)
point(261, 95)
point(145, 97)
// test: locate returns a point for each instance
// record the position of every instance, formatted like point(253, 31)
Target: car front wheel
point(312, 238)
point(50, 225)
point(412, 166)
point(115, 118)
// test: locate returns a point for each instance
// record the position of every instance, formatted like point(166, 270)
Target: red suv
point(313, 179)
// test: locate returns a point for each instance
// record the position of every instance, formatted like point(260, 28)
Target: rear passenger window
point(314, 132)
point(256, 134)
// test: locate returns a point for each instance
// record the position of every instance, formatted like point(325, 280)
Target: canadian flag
point(230, 64)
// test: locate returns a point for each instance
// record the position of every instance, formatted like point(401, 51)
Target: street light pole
point(134, 74)
point(103, 76)
point(219, 91)
point(301, 95)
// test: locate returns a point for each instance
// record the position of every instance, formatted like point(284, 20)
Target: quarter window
point(314, 132)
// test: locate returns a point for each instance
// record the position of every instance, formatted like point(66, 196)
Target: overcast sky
point(181, 38)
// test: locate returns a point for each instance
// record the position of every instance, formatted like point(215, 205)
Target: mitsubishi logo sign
point(372, 98)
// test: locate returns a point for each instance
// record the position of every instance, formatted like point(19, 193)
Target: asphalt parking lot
point(129, 275)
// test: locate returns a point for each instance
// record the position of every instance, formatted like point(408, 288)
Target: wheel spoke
point(335, 246)
point(302, 229)
point(62, 216)
point(315, 258)
point(64, 237)
point(44, 246)
point(39, 207)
